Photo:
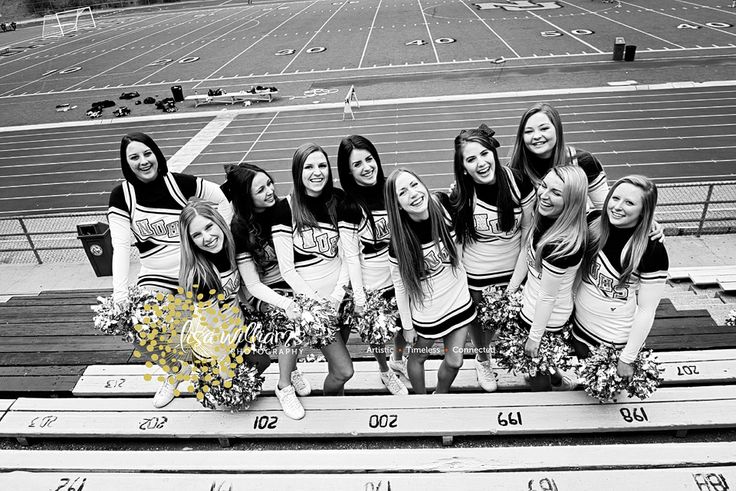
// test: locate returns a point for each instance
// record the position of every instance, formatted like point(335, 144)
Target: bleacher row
point(110, 399)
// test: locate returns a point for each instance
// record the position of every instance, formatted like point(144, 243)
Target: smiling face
point(142, 161)
point(363, 167)
point(625, 206)
point(551, 201)
point(479, 162)
point(262, 192)
point(206, 235)
point(412, 196)
point(315, 173)
point(540, 135)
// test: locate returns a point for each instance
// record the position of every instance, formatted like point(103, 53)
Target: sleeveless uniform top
point(597, 183)
point(566, 266)
point(491, 258)
point(374, 246)
point(604, 310)
point(447, 304)
point(268, 267)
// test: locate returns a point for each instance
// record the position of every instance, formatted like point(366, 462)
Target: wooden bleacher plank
point(420, 460)
point(700, 367)
point(719, 478)
point(4, 406)
point(693, 341)
point(31, 344)
point(74, 328)
point(60, 358)
point(9, 311)
point(668, 409)
point(682, 272)
point(728, 286)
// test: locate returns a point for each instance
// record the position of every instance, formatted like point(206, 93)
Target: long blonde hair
point(406, 244)
point(197, 274)
point(636, 246)
point(568, 233)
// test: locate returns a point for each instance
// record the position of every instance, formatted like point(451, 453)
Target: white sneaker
point(399, 366)
point(301, 385)
point(165, 393)
point(289, 403)
point(393, 384)
point(486, 377)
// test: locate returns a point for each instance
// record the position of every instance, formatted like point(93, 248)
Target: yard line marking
point(191, 150)
point(257, 139)
point(730, 12)
point(625, 25)
point(296, 56)
point(370, 31)
point(569, 34)
point(689, 21)
point(429, 33)
point(198, 84)
point(491, 29)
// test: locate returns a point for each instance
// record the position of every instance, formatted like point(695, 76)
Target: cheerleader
point(254, 200)
point(624, 275)
point(147, 205)
point(555, 251)
point(314, 251)
point(209, 272)
point(540, 146)
point(492, 208)
point(362, 179)
point(428, 276)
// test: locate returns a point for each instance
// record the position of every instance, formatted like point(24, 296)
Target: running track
point(672, 135)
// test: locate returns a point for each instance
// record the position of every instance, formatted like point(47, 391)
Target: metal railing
point(683, 209)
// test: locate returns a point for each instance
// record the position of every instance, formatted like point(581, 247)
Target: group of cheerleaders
point(547, 220)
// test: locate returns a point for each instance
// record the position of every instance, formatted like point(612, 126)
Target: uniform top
point(494, 252)
point(309, 260)
point(607, 310)
point(597, 185)
point(563, 269)
point(374, 246)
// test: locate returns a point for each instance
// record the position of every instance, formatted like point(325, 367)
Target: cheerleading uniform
point(547, 302)
point(622, 316)
point(262, 281)
point(490, 259)
point(447, 304)
point(597, 184)
point(374, 246)
point(150, 211)
point(315, 261)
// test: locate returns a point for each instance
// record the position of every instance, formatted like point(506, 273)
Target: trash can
point(618, 49)
point(178, 93)
point(97, 244)
point(630, 53)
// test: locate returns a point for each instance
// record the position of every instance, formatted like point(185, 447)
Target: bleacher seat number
point(265, 422)
point(636, 414)
point(510, 419)
point(383, 421)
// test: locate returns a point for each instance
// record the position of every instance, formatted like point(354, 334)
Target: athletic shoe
point(486, 377)
point(568, 382)
point(289, 403)
point(399, 366)
point(165, 393)
point(393, 383)
point(301, 385)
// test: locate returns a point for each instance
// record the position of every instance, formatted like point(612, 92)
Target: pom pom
point(222, 386)
point(130, 318)
point(377, 324)
point(316, 326)
point(498, 308)
point(731, 319)
point(599, 374)
point(554, 351)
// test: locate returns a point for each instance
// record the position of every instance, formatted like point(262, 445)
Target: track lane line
point(265, 128)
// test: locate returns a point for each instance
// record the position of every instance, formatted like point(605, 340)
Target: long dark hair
point(353, 189)
point(521, 157)
point(304, 218)
point(462, 198)
point(404, 240)
point(147, 141)
point(244, 224)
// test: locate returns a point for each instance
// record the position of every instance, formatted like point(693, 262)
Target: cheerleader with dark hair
point(492, 207)
point(316, 246)
point(540, 146)
point(624, 274)
point(254, 200)
point(428, 275)
point(362, 179)
point(555, 251)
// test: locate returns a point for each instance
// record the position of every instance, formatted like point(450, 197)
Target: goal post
point(61, 23)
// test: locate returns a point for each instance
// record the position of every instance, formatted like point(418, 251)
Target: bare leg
point(454, 344)
point(417, 356)
point(340, 368)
